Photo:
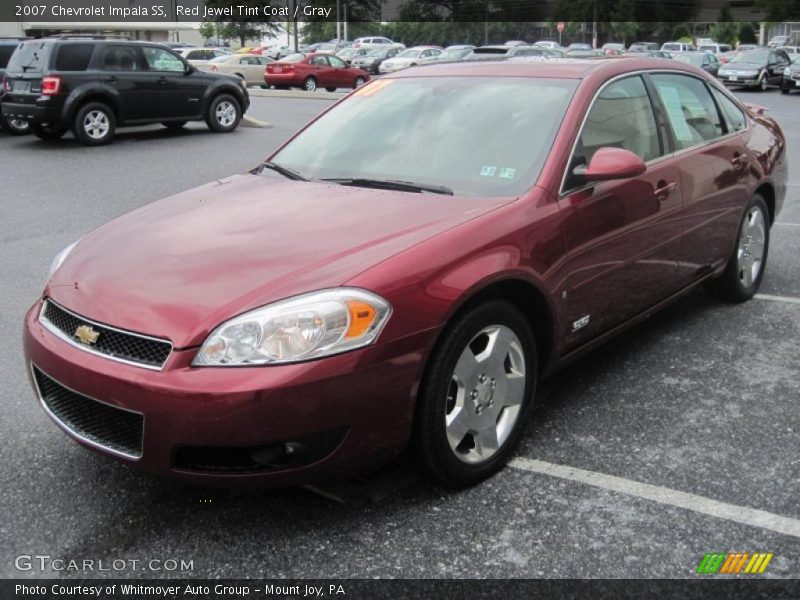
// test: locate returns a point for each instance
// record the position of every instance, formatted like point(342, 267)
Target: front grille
point(103, 425)
point(114, 343)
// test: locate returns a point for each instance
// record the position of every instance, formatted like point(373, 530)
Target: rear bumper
point(39, 111)
point(290, 79)
point(361, 403)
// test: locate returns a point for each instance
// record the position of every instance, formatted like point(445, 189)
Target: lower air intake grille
point(112, 428)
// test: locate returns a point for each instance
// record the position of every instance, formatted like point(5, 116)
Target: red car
point(404, 270)
point(312, 71)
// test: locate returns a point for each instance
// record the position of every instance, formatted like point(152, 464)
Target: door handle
point(664, 189)
point(111, 79)
point(162, 81)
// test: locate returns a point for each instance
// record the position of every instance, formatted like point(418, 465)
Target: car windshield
point(377, 52)
point(757, 57)
point(411, 53)
point(692, 58)
point(433, 131)
point(29, 57)
point(293, 58)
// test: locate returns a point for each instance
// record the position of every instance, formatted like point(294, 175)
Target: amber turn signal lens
point(362, 315)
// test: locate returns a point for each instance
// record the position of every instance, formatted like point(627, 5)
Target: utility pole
point(594, 25)
point(345, 20)
point(338, 23)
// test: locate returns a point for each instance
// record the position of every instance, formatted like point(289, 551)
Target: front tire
point(476, 394)
point(764, 83)
point(94, 124)
point(745, 269)
point(359, 82)
point(224, 114)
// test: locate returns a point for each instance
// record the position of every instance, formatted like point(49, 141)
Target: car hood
point(179, 267)
point(742, 66)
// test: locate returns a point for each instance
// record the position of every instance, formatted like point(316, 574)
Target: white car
point(677, 47)
point(372, 42)
point(548, 44)
point(199, 56)
point(419, 55)
point(249, 67)
point(790, 50)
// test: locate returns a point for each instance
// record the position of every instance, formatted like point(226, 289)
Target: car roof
point(554, 68)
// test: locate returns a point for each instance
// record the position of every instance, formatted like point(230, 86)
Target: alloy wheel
point(485, 394)
point(96, 124)
point(225, 113)
point(750, 253)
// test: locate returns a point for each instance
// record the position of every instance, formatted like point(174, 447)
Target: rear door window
point(121, 58)
point(159, 59)
point(690, 109)
point(74, 57)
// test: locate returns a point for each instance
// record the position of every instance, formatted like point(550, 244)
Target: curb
point(248, 121)
point(259, 93)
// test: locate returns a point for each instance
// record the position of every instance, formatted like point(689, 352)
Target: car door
point(342, 75)
point(321, 70)
point(178, 88)
point(713, 163)
point(781, 62)
point(122, 68)
point(622, 237)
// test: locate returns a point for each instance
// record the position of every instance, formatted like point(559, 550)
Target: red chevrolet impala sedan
point(404, 270)
point(312, 71)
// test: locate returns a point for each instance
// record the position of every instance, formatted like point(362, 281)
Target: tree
point(726, 28)
point(623, 24)
point(681, 31)
point(780, 10)
point(251, 26)
point(207, 29)
point(747, 34)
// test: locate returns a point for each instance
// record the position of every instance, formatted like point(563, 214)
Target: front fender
point(228, 86)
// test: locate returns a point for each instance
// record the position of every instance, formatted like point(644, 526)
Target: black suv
point(93, 86)
point(12, 126)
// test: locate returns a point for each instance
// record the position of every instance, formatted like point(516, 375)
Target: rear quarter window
point(74, 57)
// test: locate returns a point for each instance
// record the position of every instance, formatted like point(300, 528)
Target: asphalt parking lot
point(676, 439)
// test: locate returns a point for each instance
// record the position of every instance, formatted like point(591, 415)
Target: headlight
point(787, 72)
point(61, 256)
point(300, 328)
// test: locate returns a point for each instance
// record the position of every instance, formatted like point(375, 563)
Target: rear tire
point(745, 269)
point(16, 126)
point(94, 124)
point(224, 114)
point(310, 84)
point(47, 131)
point(476, 394)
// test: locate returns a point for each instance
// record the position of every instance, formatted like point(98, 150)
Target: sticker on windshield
point(507, 173)
point(488, 170)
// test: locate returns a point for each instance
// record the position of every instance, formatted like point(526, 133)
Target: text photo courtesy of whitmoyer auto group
point(400, 299)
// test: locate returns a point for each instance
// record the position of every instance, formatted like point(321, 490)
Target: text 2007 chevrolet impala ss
point(404, 270)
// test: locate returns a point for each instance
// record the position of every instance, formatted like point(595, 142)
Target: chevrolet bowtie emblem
point(86, 334)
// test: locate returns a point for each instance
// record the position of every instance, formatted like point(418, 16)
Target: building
point(147, 31)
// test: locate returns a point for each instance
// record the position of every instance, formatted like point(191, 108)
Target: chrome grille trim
point(52, 328)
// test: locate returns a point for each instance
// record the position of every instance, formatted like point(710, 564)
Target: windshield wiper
point(392, 184)
point(285, 171)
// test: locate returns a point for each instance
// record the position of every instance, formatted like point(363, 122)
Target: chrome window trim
point(563, 193)
point(47, 324)
point(67, 429)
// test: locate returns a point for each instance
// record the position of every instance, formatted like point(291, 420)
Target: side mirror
point(612, 163)
point(189, 69)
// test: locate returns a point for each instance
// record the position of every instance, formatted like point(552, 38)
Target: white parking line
point(721, 510)
point(771, 298)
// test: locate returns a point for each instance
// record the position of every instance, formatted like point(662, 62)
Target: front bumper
point(363, 398)
point(740, 80)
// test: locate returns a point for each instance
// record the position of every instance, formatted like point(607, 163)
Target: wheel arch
point(767, 191)
point(74, 105)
